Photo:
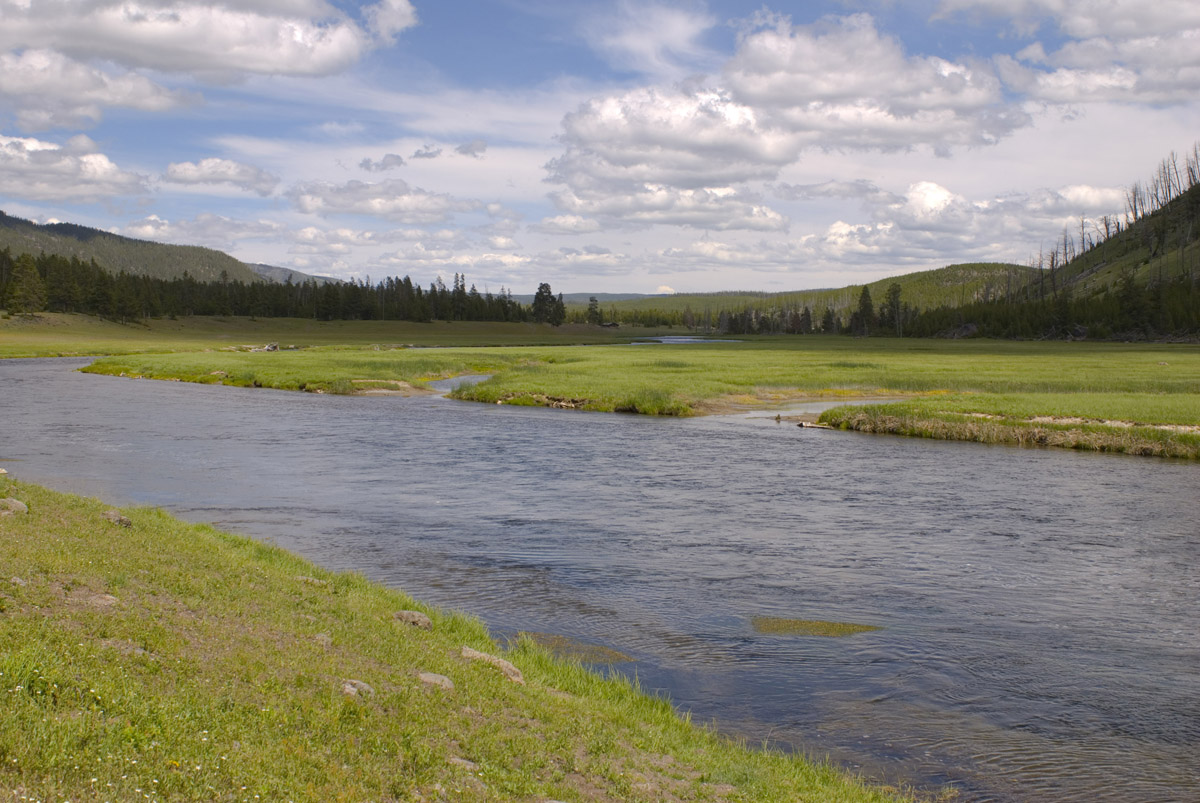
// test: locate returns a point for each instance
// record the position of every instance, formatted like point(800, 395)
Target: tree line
point(55, 283)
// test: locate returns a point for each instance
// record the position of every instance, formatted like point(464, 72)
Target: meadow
point(146, 658)
point(1137, 398)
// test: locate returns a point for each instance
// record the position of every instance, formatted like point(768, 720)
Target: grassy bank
point(169, 661)
point(1132, 398)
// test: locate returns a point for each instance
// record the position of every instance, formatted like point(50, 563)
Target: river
point(1039, 609)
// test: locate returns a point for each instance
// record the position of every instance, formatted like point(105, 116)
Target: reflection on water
point(1038, 609)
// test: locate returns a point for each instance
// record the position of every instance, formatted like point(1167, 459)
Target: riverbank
point(142, 657)
point(1129, 398)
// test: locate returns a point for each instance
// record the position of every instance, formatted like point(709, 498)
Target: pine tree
point(26, 292)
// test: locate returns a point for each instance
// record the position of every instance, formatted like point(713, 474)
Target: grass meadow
point(173, 662)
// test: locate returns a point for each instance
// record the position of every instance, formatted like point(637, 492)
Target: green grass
point(58, 335)
point(964, 390)
point(170, 661)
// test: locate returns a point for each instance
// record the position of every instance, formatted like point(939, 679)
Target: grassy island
point(142, 657)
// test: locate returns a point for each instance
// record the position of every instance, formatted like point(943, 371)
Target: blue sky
point(600, 146)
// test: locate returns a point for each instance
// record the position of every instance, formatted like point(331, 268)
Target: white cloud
point(390, 17)
point(651, 38)
point(209, 230)
point(1120, 50)
point(44, 171)
point(501, 243)
point(221, 39)
point(393, 199)
point(222, 171)
point(566, 224)
point(49, 90)
point(684, 155)
point(841, 83)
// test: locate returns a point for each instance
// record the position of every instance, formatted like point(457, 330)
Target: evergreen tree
point(544, 303)
point(26, 292)
point(593, 312)
point(863, 318)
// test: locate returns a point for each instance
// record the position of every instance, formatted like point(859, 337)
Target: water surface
point(1039, 609)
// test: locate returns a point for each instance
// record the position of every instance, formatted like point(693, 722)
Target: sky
point(600, 146)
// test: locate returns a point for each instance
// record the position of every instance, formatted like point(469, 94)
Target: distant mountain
point(115, 253)
point(281, 275)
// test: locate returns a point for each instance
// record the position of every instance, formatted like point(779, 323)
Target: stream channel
point(1039, 609)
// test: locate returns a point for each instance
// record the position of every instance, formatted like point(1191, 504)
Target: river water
point(1039, 610)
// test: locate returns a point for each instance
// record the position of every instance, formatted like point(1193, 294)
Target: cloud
point(839, 83)
point(566, 224)
point(213, 40)
point(502, 243)
point(1120, 50)
point(222, 171)
point(209, 230)
point(652, 38)
point(388, 162)
point(683, 155)
point(392, 200)
point(657, 204)
point(860, 189)
point(311, 240)
point(427, 152)
point(43, 171)
point(388, 18)
point(475, 147)
point(50, 90)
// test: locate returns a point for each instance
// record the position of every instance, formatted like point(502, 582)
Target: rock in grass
point(414, 618)
point(466, 764)
point(510, 671)
point(434, 679)
point(12, 507)
point(353, 688)
point(116, 518)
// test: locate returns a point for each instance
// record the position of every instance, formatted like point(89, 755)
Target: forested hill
point(116, 253)
point(953, 285)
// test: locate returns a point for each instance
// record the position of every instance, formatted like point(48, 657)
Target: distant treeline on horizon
point(28, 283)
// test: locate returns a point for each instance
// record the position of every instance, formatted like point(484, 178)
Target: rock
point(17, 581)
point(414, 618)
point(510, 671)
point(116, 518)
point(12, 507)
point(434, 679)
point(464, 763)
point(353, 688)
point(4, 471)
point(324, 639)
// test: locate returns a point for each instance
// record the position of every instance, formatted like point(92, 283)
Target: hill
point(954, 285)
point(283, 275)
point(115, 253)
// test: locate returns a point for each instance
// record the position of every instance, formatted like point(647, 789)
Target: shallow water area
point(1038, 611)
